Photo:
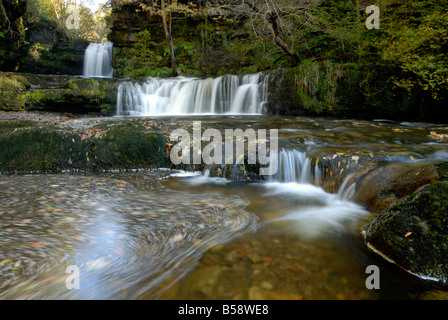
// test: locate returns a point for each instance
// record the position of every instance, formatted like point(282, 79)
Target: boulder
point(413, 232)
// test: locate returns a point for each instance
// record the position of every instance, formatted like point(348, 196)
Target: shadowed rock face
point(413, 231)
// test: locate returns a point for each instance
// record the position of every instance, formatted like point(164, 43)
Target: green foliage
point(398, 71)
point(34, 36)
point(317, 83)
point(419, 47)
point(146, 58)
point(92, 26)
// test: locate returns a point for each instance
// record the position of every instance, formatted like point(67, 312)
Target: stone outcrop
point(62, 93)
point(413, 231)
point(64, 145)
point(53, 51)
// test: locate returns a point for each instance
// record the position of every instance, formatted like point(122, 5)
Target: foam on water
point(316, 212)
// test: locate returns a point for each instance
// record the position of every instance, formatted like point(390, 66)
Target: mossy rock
point(10, 93)
point(28, 147)
point(282, 95)
point(23, 91)
point(413, 233)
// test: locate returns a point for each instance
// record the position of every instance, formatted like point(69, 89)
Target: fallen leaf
point(37, 244)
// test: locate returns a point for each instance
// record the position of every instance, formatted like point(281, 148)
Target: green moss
point(413, 232)
point(317, 84)
point(442, 170)
point(67, 94)
point(50, 149)
point(10, 93)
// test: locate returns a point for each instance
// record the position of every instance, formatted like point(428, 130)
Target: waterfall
point(228, 94)
point(295, 166)
point(315, 211)
point(97, 60)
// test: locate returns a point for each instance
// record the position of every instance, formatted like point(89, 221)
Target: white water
point(228, 94)
point(315, 212)
point(97, 60)
point(306, 209)
point(295, 166)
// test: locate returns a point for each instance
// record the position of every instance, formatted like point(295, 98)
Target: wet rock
point(282, 93)
point(266, 285)
point(203, 282)
point(256, 293)
point(433, 295)
point(216, 248)
point(54, 148)
point(379, 188)
point(253, 257)
point(413, 233)
point(231, 256)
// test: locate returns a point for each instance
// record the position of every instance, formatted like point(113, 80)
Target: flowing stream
point(189, 235)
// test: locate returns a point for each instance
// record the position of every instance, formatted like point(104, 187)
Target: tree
point(166, 9)
point(277, 18)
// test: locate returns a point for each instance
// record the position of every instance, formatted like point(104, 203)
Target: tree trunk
point(272, 17)
point(173, 57)
point(55, 11)
point(278, 41)
point(168, 34)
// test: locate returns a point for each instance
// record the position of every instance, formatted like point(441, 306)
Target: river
point(162, 234)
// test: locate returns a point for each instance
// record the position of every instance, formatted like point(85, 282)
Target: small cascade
point(228, 94)
point(315, 212)
point(295, 166)
point(97, 60)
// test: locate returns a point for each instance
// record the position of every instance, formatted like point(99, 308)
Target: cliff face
point(52, 51)
point(127, 20)
point(30, 42)
point(208, 40)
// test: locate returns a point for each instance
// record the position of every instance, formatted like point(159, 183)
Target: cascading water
point(295, 166)
point(317, 211)
point(228, 94)
point(97, 60)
